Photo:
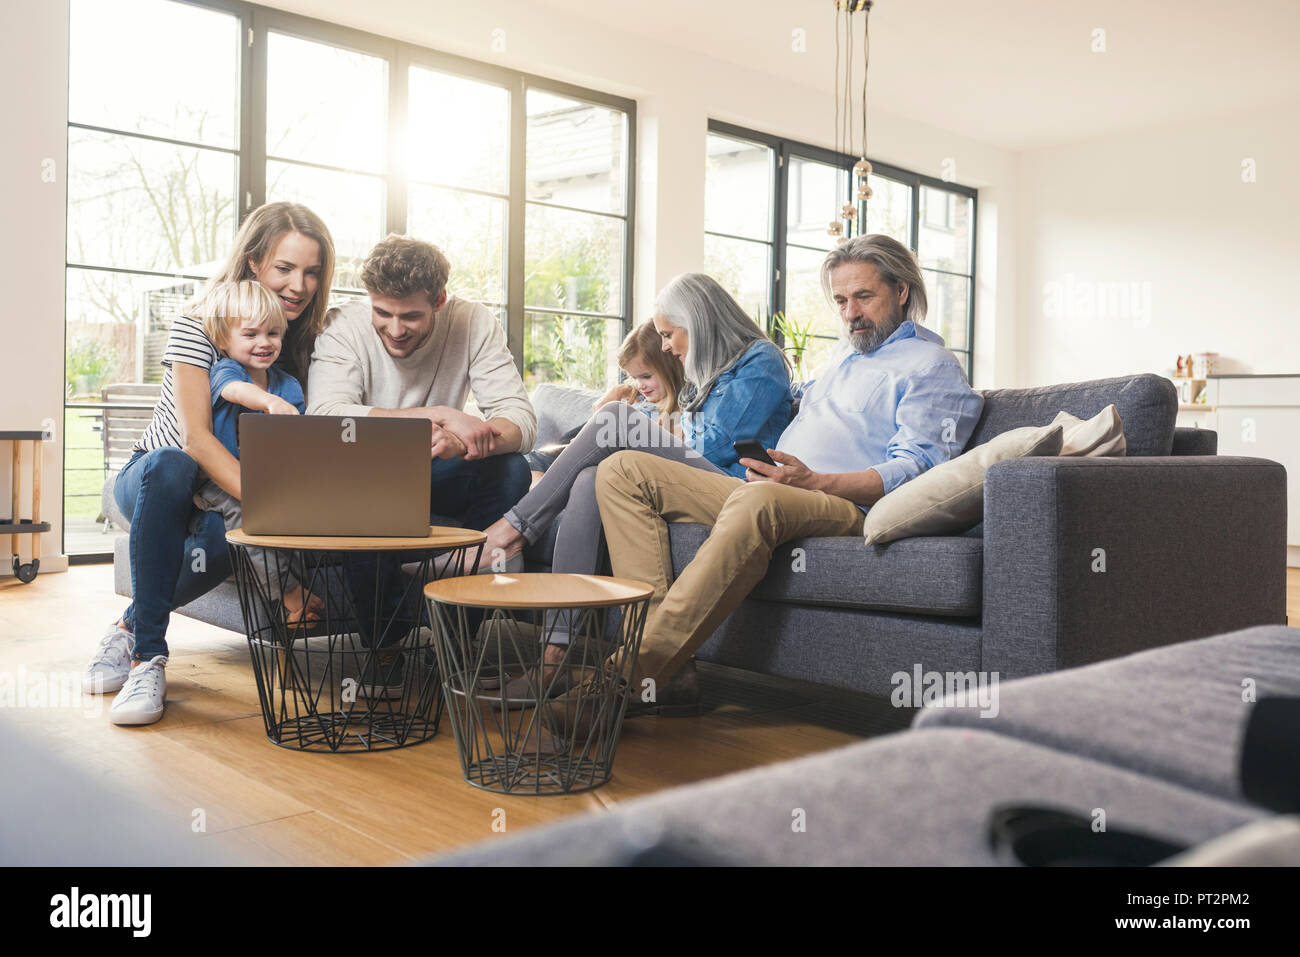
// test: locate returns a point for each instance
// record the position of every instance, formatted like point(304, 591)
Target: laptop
point(329, 475)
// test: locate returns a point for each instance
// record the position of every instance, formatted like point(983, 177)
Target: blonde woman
point(287, 249)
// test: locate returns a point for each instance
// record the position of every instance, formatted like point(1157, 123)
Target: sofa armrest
point(1092, 558)
point(108, 504)
point(1195, 441)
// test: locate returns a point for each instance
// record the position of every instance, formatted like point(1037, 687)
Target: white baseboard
point(50, 565)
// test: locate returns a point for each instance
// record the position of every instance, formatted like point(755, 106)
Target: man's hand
point(446, 445)
point(277, 406)
point(476, 436)
point(787, 471)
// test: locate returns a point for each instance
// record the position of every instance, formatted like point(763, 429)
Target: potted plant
point(795, 336)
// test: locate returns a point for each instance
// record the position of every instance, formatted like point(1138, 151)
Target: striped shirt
point(186, 343)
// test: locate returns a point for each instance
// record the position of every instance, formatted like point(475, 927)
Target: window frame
point(256, 22)
point(785, 149)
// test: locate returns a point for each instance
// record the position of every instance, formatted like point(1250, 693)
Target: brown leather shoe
point(573, 714)
point(678, 697)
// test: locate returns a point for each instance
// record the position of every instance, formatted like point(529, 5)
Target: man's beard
point(872, 335)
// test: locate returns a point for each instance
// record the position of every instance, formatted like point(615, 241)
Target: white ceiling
point(1018, 74)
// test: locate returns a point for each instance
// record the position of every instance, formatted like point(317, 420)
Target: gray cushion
point(560, 409)
point(108, 503)
point(1147, 404)
point(1174, 712)
point(903, 799)
point(937, 575)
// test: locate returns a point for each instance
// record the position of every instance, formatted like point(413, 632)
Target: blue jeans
point(475, 493)
point(170, 566)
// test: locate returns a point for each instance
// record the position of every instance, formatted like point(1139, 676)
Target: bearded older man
point(889, 404)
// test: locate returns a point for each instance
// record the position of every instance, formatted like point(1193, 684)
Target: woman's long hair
point(644, 343)
point(718, 331)
point(255, 241)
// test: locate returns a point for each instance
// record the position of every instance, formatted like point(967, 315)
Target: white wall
point(34, 78)
point(1164, 211)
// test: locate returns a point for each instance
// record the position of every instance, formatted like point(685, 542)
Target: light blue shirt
point(902, 408)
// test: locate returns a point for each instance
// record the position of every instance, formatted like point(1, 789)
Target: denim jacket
point(751, 400)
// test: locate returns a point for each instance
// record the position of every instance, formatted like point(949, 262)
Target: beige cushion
point(949, 498)
point(1103, 434)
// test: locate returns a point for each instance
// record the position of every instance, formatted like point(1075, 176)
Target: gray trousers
point(269, 567)
point(569, 486)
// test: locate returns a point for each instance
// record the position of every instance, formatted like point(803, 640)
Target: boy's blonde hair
point(225, 306)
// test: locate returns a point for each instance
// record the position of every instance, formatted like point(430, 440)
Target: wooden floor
point(265, 804)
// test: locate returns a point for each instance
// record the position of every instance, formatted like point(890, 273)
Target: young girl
point(246, 324)
point(654, 379)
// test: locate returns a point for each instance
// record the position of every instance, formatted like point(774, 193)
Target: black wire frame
point(519, 727)
point(333, 686)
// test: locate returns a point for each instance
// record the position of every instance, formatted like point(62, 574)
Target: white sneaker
point(111, 662)
point(142, 698)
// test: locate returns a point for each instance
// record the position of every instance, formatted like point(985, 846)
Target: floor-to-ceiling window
point(184, 115)
point(768, 202)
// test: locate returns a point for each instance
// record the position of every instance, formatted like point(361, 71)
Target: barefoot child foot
point(301, 607)
point(504, 536)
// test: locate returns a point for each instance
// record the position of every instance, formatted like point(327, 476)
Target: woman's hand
point(193, 392)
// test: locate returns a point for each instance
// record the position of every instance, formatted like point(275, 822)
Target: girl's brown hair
point(255, 241)
point(645, 343)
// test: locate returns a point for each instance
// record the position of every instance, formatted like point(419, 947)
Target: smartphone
point(749, 449)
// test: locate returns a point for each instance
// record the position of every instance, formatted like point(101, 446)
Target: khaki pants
point(640, 494)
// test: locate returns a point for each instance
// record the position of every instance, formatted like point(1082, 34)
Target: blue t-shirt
point(225, 415)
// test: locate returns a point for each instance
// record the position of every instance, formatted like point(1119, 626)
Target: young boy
point(246, 324)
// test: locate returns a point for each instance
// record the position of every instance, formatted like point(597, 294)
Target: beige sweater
point(351, 372)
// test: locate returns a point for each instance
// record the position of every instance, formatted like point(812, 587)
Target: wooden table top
point(537, 590)
point(438, 537)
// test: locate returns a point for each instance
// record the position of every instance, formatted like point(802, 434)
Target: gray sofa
point(1194, 545)
point(1152, 739)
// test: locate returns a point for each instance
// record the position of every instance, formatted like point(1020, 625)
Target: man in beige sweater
point(413, 351)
